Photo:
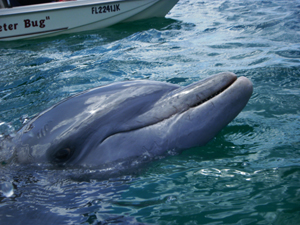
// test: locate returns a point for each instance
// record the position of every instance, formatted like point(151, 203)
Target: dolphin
point(131, 120)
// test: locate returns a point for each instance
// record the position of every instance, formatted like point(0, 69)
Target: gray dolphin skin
point(132, 119)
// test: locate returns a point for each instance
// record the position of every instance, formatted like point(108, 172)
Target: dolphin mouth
point(198, 93)
point(215, 93)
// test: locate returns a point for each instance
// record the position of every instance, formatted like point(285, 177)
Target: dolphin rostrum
point(125, 121)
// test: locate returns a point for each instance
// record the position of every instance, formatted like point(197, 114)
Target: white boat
point(55, 18)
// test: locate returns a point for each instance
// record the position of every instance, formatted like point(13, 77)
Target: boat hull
point(69, 17)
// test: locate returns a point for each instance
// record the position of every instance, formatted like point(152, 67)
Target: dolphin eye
point(62, 155)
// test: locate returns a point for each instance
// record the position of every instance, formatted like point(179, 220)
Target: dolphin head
point(129, 120)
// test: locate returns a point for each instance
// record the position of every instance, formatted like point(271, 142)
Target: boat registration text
point(106, 9)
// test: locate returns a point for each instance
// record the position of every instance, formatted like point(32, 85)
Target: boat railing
point(9, 3)
point(3, 4)
point(16, 3)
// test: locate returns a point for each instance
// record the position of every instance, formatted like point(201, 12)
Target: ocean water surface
point(248, 174)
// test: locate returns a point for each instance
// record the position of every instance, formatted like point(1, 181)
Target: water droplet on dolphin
point(7, 189)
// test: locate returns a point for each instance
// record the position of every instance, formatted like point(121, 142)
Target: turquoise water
point(248, 174)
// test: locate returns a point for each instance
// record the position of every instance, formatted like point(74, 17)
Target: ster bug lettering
point(34, 23)
point(8, 27)
point(27, 23)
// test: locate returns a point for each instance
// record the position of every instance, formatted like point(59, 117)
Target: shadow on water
point(222, 148)
point(105, 35)
point(49, 195)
